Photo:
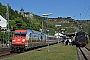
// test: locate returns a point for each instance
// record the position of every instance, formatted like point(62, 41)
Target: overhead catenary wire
point(87, 12)
point(83, 9)
point(81, 13)
point(16, 3)
point(84, 6)
point(19, 4)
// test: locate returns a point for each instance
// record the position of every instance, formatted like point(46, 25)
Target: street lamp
point(46, 15)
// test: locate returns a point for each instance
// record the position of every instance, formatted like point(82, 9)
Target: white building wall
point(3, 22)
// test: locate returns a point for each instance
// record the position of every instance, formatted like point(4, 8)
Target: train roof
point(20, 31)
point(36, 32)
point(28, 31)
point(25, 30)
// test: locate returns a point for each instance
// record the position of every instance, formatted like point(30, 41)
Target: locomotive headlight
point(23, 40)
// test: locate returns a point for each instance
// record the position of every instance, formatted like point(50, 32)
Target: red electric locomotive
point(19, 42)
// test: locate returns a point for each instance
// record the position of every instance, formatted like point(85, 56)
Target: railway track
point(7, 54)
point(4, 51)
point(83, 53)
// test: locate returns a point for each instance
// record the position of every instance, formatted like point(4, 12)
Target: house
point(3, 23)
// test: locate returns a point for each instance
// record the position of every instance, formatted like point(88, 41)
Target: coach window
point(30, 34)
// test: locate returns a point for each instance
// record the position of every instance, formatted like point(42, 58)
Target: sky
point(76, 9)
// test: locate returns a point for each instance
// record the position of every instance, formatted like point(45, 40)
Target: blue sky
point(77, 9)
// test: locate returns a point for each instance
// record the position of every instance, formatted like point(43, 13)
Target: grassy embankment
point(56, 53)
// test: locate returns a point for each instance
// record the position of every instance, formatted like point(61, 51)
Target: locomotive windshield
point(20, 34)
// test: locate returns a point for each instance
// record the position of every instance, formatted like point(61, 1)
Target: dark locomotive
point(81, 39)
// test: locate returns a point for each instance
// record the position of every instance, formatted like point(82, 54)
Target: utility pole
point(7, 17)
point(41, 32)
point(80, 15)
point(42, 27)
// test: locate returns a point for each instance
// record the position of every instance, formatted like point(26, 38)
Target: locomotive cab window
point(20, 34)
